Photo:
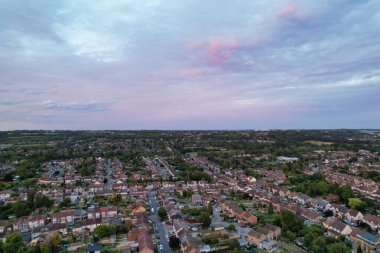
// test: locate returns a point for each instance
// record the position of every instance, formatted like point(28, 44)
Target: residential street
point(157, 222)
point(109, 167)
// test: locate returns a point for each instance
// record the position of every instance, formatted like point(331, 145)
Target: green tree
point(66, 202)
point(205, 219)
point(43, 201)
point(116, 199)
point(104, 231)
point(30, 199)
point(356, 203)
point(231, 227)
point(309, 237)
point(290, 222)
point(209, 208)
point(13, 242)
point(318, 245)
point(56, 240)
point(323, 187)
point(122, 228)
point(345, 193)
point(270, 208)
point(162, 212)
point(290, 235)
point(47, 248)
point(33, 249)
point(20, 208)
point(339, 247)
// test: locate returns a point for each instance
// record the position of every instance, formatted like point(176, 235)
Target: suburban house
point(372, 221)
point(339, 211)
point(5, 194)
point(145, 243)
point(196, 200)
point(65, 216)
point(368, 242)
point(108, 211)
point(337, 228)
point(354, 217)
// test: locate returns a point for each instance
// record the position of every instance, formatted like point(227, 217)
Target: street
point(216, 218)
point(109, 167)
point(157, 222)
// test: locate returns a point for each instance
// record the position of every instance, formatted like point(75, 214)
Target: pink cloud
point(286, 11)
point(217, 50)
point(195, 72)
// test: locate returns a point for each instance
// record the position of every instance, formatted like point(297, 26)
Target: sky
point(189, 64)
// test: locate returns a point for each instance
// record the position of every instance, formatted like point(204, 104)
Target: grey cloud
point(92, 106)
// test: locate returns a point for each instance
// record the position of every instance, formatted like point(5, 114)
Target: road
point(157, 222)
point(216, 218)
point(109, 167)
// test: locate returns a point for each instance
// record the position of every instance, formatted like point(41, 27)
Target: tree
point(122, 228)
point(209, 208)
point(339, 247)
point(231, 227)
point(33, 249)
point(270, 208)
point(162, 212)
point(323, 187)
point(290, 222)
point(30, 199)
point(205, 219)
point(309, 237)
point(290, 235)
point(116, 199)
point(174, 242)
point(8, 177)
point(56, 240)
point(356, 203)
point(318, 245)
point(13, 242)
point(345, 192)
point(104, 231)
point(20, 208)
point(65, 202)
point(47, 248)
point(37, 201)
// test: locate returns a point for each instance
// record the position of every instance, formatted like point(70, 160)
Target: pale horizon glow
point(219, 64)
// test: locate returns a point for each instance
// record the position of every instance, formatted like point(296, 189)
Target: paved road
point(157, 221)
point(216, 218)
point(109, 167)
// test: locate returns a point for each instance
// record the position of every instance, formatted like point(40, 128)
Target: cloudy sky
point(188, 64)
